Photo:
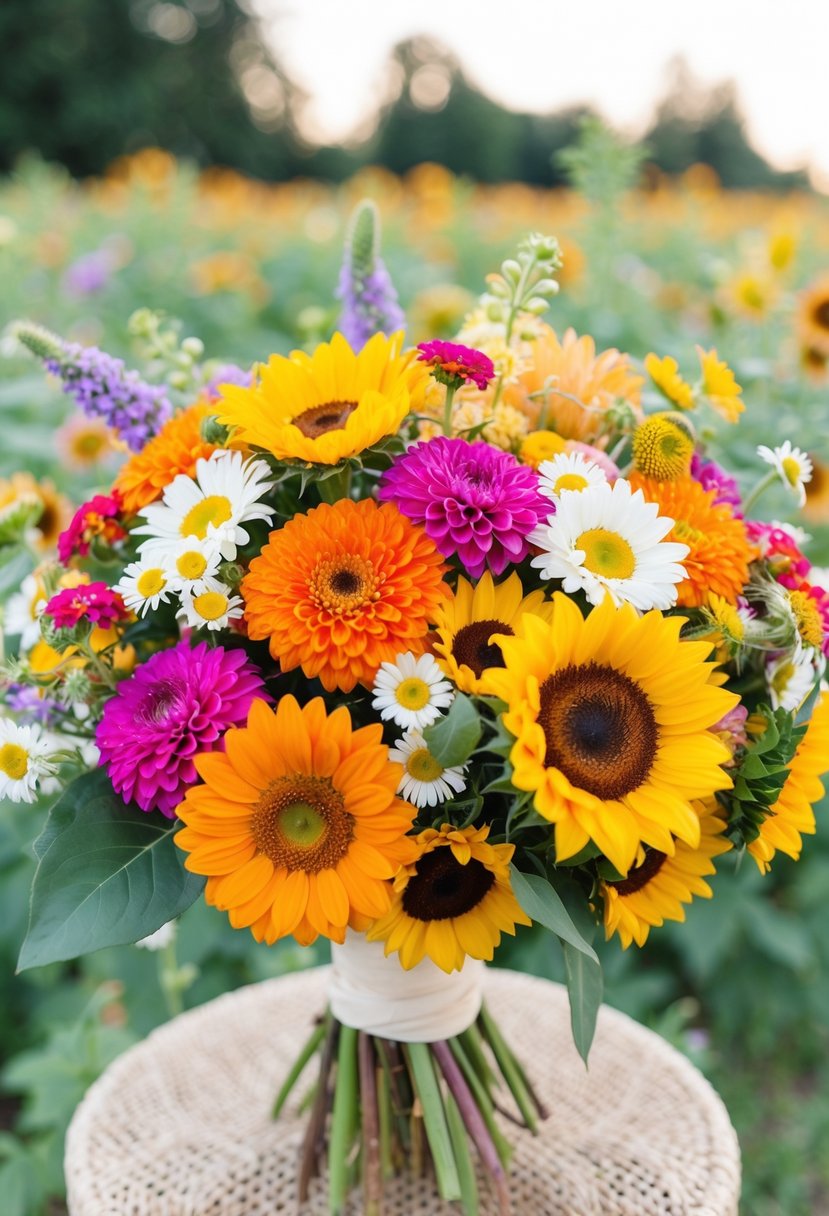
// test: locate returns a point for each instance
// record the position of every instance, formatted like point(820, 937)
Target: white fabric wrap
point(373, 993)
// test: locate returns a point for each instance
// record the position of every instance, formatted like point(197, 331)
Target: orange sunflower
point(720, 551)
point(297, 825)
point(175, 449)
point(792, 815)
point(343, 589)
point(813, 316)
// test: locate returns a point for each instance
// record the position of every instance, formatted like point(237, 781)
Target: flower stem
point(336, 486)
point(372, 1171)
point(343, 1119)
point(762, 485)
point(422, 1069)
point(511, 1072)
point(314, 1040)
point(315, 1127)
point(447, 410)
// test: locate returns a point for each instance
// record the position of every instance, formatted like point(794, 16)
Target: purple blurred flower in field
point(30, 706)
point(229, 374)
point(472, 499)
point(88, 274)
point(713, 476)
point(370, 304)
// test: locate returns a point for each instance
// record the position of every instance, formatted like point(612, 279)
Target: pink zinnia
point(98, 517)
point(93, 602)
point(472, 499)
point(454, 364)
point(788, 563)
point(176, 705)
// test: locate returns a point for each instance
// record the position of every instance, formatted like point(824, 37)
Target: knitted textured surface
point(180, 1126)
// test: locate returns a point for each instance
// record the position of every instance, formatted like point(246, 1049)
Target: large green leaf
point(107, 874)
point(584, 988)
point(453, 738)
point(542, 902)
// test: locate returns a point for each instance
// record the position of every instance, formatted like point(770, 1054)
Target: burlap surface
point(179, 1125)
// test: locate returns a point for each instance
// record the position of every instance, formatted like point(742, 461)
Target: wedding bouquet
point(406, 648)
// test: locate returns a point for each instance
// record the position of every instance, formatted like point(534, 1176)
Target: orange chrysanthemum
point(343, 589)
point(792, 815)
point(175, 449)
point(298, 826)
point(720, 551)
point(585, 384)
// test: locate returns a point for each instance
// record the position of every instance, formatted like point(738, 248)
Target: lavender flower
point(228, 374)
point(88, 274)
point(369, 299)
point(31, 706)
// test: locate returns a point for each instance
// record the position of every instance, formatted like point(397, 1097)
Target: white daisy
point(792, 465)
point(145, 584)
point(193, 563)
point(212, 608)
point(425, 781)
point(791, 678)
point(224, 494)
point(25, 757)
point(609, 539)
point(819, 577)
point(23, 612)
point(411, 692)
point(568, 471)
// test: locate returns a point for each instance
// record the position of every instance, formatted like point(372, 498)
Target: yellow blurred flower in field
point(55, 509)
point(83, 443)
point(814, 364)
point(781, 249)
point(665, 374)
point(437, 311)
point(813, 316)
point(539, 446)
point(720, 386)
point(228, 270)
point(816, 508)
point(751, 295)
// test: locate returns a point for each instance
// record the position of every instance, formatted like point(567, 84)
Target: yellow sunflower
point(658, 886)
point(816, 508)
point(297, 825)
point(611, 715)
point(465, 626)
point(792, 815)
point(454, 900)
point(813, 316)
point(327, 406)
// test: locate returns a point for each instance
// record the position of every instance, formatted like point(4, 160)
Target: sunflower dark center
point(599, 728)
point(821, 314)
point(301, 823)
point(640, 876)
point(473, 648)
point(442, 888)
point(321, 419)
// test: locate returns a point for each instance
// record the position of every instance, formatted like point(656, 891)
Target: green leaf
point(109, 874)
point(584, 988)
point(542, 902)
point(16, 562)
point(454, 737)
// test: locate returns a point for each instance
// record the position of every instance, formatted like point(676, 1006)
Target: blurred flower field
point(248, 269)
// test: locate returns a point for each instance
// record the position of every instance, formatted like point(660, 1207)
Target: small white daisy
point(145, 584)
point(792, 465)
point(799, 535)
point(791, 678)
point(224, 494)
point(193, 563)
point(609, 539)
point(568, 471)
point(425, 781)
point(212, 608)
point(23, 612)
point(411, 692)
point(160, 939)
point(25, 758)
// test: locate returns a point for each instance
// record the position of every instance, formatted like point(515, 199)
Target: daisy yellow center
point(781, 677)
point(606, 553)
point(191, 564)
point(151, 582)
point(807, 618)
point(571, 481)
point(300, 823)
point(791, 470)
point(88, 444)
point(442, 888)
point(215, 509)
point(14, 761)
point(641, 875)
point(344, 584)
point(599, 729)
point(412, 693)
point(320, 419)
point(211, 605)
point(472, 647)
point(423, 766)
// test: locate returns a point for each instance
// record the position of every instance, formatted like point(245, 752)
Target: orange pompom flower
point(175, 449)
point(343, 589)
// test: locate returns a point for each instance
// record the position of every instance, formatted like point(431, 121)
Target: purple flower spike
point(472, 500)
point(369, 299)
point(103, 388)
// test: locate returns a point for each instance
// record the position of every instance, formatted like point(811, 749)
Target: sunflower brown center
point(320, 419)
point(301, 823)
point(473, 649)
point(599, 728)
point(344, 584)
point(821, 314)
point(640, 876)
point(442, 888)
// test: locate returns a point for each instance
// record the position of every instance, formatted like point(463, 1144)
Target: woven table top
point(180, 1125)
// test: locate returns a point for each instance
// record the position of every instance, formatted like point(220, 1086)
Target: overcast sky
point(544, 54)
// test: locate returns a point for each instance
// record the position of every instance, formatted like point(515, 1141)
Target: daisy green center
point(412, 693)
point(423, 766)
point(301, 824)
point(791, 470)
point(214, 509)
point(571, 481)
point(191, 564)
point(606, 553)
point(150, 582)
point(211, 605)
point(14, 761)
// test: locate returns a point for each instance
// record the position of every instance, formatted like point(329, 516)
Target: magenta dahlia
point(472, 499)
point(177, 704)
point(98, 517)
point(453, 364)
point(93, 602)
